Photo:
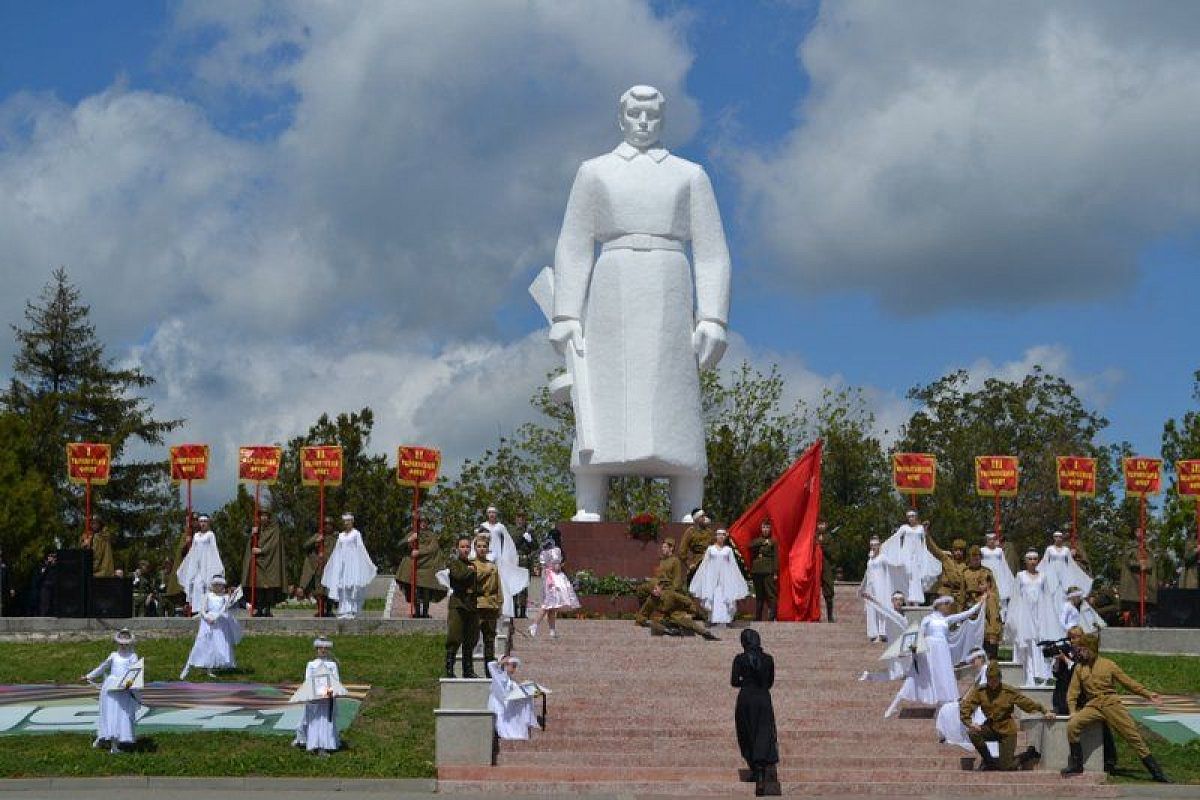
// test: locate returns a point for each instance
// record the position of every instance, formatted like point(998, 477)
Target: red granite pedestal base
point(604, 548)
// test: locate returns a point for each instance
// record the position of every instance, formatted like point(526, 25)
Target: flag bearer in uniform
point(764, 571)
point(827, 570)
point(462, 624)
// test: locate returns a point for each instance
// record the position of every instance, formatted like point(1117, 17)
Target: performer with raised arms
point(349, 570)
point(905, 550)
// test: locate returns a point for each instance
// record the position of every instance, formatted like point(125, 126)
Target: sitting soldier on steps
point(664, 594)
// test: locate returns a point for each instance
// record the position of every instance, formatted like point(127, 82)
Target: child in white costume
point(557, 592)
point(317, 732)
point(349, 570)
point(514, 717)
point(218, 634)
point(120, 697)
point(718, 582)
point(876, 584)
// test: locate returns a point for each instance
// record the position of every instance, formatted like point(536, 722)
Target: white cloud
point(947, 157)
point(1054, 359)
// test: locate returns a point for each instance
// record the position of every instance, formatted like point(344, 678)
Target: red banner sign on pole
point(189, 462)
point(997, 476)
point(321, 465)
point(914, 473)
point(417, 467)
point(1143, 476)
point(89, 463)
point(1076, 476)
point(259, 463)
point(1188, 473)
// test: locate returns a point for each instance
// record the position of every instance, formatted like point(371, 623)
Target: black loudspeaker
point(72, 579)
point(1178, 608)
point(112, 598)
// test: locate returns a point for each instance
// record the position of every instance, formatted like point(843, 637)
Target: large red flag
point(793, 503)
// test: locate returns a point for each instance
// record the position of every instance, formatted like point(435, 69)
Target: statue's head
point(641, 115)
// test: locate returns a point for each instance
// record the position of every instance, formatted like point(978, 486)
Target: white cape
point(198, 567)
point(1002, 576)
point(1062, 572)
point(349, 566)
point(719, 584)
point(916, 568)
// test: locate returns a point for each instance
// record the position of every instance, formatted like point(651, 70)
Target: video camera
point(1057, 647)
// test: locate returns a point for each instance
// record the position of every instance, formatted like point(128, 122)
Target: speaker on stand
point(72, 582)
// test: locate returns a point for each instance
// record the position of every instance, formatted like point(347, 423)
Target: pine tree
point(67, 390)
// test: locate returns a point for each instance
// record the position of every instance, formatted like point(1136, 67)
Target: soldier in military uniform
point(527, 550)
point(316, 551)
point(952, 582)
point(694, 542)
point(428, 554)
point(993, 625)
point(462, 623)
point(100, 542)
point(664, 594)
point(997, 702)
point(668, 574)
point(764, 571)
point(266, 563)
point(827, 569)
point(174, 594)
point(488, 597)
point(1095, 678)
point(1105, 603)
point(1189, 574)
point(1132, 567)
point(143, 585)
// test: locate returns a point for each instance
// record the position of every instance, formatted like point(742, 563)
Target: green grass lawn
point(1166, 675)
point(392, 737)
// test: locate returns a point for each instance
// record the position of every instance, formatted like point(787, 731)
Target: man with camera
point(997, 702)
point(1095, 679)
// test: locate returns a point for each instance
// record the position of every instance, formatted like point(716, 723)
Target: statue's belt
point(642, 241)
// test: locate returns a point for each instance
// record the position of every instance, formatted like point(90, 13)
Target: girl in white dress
point(718, 582)
point(317, 731)
point(119, 700)
point(916, 567)
point(349, 570)
point(876, 583)
point(557, 592)
point(219, 632)
point(203, 560)
point(1061, 570)
point(992, 557)
point(1032, 618)
point(932, 682)
point(514, 718)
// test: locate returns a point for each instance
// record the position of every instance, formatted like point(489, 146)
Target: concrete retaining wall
point(50, 628)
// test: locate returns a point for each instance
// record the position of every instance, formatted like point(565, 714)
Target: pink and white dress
point(557, 591)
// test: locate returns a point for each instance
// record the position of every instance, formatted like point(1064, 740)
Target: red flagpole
point(87, 513)
point(412, 587)
point(912, 501)
point(996, 523)
point(1074, 518)
point(253, 546)
point(1141, 560)
point(320, 542)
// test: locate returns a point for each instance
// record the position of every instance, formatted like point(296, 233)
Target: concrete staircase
point(635, 715)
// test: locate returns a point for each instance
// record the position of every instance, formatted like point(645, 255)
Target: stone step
point(834, 758)
point(1053, 788)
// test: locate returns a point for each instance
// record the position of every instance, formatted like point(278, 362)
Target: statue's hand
point(564, 331)
point(708, 340)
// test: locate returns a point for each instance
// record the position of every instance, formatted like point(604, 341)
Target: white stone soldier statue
point(640, 319)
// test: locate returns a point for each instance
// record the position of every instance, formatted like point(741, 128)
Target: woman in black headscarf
point(754, 716)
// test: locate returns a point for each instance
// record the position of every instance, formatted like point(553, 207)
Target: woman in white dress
point(931, 681)
point(917, 569)
point(317, 731)
point(349, 570)
point(557, 592)
point(718, 582)
point(219, 632)
point(992, 557)
point(948, 723)
point(203, 560)
point(876, 583)
point(894, 625)
point(1032, 618)
point(1061, 570)
point(119, 700)
point(515, 718)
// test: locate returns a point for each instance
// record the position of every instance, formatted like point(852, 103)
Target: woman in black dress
point(754, 716)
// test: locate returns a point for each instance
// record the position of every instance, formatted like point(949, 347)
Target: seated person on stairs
point(664, 594)
point(997, 702)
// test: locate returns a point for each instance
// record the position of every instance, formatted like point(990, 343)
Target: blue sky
point(280, 210)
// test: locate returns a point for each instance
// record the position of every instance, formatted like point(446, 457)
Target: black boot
point(449, 665)
point(1110, 750)
point(1074, 761)
point(760, 605)
point(468, 668)
point(771, 787)
point(760, 782)
point(1155, 770)
point(829, 610)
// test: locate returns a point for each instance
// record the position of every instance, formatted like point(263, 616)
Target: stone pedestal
point(465, 730)
point(604, 548)
point(1050, 739)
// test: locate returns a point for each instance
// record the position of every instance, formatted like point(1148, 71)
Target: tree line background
point(65, 388)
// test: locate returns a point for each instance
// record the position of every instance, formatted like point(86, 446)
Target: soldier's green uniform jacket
point(766, 556)
point(1130, 569)
point(692, 545)
point(270, 571)
point(1098, 681)
point(827, 572)
point(103, 564)
point(429, 561)
point(487, 586)
point(952, 581)
point(463, 582)
point(998, 706)
point(314, 565)
point(174, 591)
point(1190, 579)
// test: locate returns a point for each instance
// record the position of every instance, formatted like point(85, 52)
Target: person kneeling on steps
point(997, 702)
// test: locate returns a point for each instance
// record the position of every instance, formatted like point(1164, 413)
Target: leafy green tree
point(26, 499)
point(68, 390)
point(1035, 418)
point(857, 500)
point(1180, 440)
